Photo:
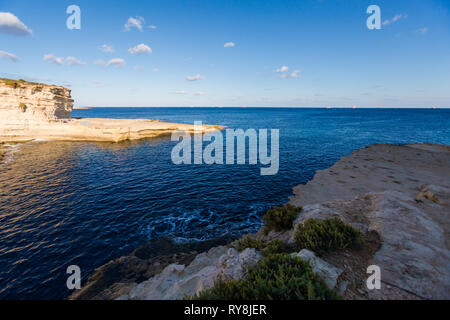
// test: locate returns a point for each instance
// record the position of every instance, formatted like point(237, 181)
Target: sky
point(255, 53)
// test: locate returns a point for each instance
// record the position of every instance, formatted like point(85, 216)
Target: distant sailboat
point(354, 107)
point(434, 107)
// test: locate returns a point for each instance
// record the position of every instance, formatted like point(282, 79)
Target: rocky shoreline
point(398, 197)
point(119, 276)
point(31, 111)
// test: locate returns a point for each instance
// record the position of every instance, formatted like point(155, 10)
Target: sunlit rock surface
point(179, 281)
point(38, 111)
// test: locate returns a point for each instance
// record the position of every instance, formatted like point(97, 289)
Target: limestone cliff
point(31, 111)
point(21, 101)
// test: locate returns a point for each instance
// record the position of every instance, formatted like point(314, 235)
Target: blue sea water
point(64, 203)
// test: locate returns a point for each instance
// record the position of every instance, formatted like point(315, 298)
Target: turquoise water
point(64, 203)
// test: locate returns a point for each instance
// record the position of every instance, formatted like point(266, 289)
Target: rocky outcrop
point(178, 281)
point(31, 111)
point(119, 276)
point(327, 271)
point(408, 208)
point(27, 101)
point(413, 256)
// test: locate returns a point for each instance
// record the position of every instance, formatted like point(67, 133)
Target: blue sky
point(332, 58)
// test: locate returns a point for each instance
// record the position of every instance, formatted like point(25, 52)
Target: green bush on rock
point(276, 277)
point(281, 218)
point(266, 247)
point(324, 235)
point(249, 242)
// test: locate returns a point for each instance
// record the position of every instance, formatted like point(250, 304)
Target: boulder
point(327, 271)
point(178, 281)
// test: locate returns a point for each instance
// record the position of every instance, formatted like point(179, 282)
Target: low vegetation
point(281, 218)
point(267, 248)
point(322, 236)
point(16, 83)
point(22, 107)
point(276, 277)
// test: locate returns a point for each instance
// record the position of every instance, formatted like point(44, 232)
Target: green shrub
point(16, 83)
point(281, 218)
point(274, 247)
point(249, 242)
point(266, 247)
point(324, 235)
point(12, 83)
point(277, 277)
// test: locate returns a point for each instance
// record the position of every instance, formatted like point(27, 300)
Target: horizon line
point(254, 107)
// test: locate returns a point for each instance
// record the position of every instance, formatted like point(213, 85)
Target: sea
point(85, 203)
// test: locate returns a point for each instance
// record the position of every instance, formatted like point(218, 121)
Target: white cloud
point(292, 75)
point(199, 93)
point(116, 62)
point(155, 70)
point(282, 69)
point(72, 61)
point(58, 61)
point(106, 48)
point(51, 58)
point(422, 30)
point(395, 18)
point(181, 92)
point(194, 78)
point(140, 49)
point(7, 55)
point(10, 24)
point(137, 23)
point(48, 57)
point(229, 45)
point(138, 67)
point(152, 26)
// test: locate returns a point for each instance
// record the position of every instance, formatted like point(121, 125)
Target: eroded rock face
point(177, 281)
point(31, 111)
point(21, 101)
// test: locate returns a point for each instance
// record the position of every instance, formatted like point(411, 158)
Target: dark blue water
point(65, 203)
